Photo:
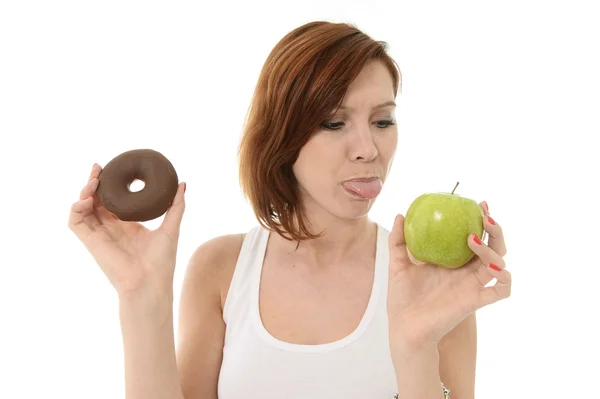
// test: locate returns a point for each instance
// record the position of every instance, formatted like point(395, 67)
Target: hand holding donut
point(132, 257)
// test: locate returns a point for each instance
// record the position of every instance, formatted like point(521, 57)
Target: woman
point(317, 301)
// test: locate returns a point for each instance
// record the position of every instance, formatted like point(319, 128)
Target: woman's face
point(357, 142)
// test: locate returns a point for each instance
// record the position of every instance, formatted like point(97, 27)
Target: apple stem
point(454, 188)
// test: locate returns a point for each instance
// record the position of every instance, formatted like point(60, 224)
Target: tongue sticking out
point(366, 189)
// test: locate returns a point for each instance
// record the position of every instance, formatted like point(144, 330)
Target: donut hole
point(136, 185)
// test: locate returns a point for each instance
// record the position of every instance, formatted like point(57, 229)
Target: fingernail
point(83, 199)
point(486, 206)
point(492, 221)
point(184, 187)
point(497, 268)
point(114, 216)
point(476, 239)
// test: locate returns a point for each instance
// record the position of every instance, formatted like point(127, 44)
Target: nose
point(363, 146)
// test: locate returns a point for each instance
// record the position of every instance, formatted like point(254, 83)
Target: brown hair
point(303, 80)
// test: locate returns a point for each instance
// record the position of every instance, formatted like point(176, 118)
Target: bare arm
point(152, 368)
point(458, 352)
point(149, 353)
point(419, 370)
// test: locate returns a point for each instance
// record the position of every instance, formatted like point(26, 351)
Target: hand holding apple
point(426, 301)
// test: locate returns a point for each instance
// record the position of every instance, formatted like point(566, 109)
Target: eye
point(332, 125)
point(385, 124)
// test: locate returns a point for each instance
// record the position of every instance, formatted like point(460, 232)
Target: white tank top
point(257, 365)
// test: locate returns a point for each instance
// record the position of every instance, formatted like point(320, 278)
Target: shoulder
point(213, 262)
point(217, 252)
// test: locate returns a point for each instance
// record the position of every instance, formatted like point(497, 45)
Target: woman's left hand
point(426, 301)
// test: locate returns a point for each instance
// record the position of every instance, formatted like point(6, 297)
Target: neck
point(341, 240)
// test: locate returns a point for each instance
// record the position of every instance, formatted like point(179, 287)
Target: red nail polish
point(184, 187)
point(476, 239)
point(492, 221)
point(83, 199)
point(497, 268)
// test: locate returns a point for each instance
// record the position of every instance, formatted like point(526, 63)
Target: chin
point(353, 209)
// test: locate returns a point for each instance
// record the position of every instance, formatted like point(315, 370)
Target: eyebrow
point(382, 105)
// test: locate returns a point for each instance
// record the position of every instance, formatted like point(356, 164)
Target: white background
point(501, 96)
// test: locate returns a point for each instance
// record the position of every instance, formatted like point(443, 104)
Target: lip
point(363, 179)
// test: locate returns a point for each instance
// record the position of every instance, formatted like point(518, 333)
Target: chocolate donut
point(160, 185)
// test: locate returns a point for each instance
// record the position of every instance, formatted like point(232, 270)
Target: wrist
point(417, 371)
point(146, 294)
point(411, 342)
point(146, 305)
point(414, 351)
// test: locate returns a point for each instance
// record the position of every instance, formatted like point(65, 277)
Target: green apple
point(437, 226)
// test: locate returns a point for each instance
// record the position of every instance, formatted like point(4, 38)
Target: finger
point(501, 290)
point(81, 218)
point(496, 235)
point(89, 189)
point(101, 214)
point(486, 256)
point(95, 172)
point(106, 217)
point(400, 257)
point(483, 251)
point(414, 260)
point(485, 207)
point(172, 220)
point(396, 237)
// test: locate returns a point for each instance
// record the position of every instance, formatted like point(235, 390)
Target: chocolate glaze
point(149, 166)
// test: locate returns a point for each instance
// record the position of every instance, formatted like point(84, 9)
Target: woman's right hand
point(133, 258)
